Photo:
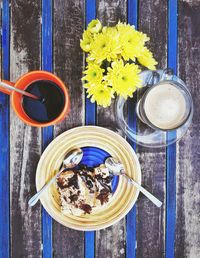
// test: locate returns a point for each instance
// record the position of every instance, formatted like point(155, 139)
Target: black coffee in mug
point(50, 104)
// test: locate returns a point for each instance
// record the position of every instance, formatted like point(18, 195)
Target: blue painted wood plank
point(131, 244)
point(90, 108)
point(5, 141)
point(171, 150)
point(90, 11)
point(47, 133)
point(133, 12)
point(90, 119)
point(89, 244)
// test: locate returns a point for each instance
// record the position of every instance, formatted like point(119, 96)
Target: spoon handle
point(12, 88)
point(36, 197)
point(150, 196)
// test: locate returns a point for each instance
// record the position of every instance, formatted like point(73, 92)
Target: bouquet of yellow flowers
point(114, 56)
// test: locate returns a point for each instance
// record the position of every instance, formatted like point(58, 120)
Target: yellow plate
point(124, 196)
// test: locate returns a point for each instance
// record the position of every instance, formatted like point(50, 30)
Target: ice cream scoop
point(84, 190)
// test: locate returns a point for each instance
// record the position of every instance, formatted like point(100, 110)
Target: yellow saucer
point(123, 198)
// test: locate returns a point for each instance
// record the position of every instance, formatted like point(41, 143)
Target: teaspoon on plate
point(71, 160)
point(116, 168)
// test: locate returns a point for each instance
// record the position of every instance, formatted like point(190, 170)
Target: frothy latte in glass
point(164, 106)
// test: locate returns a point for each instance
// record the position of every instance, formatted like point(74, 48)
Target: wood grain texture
point(68, 29)
point(24, 140)
point(68, 65)
point(109, 13)
point(110, 242)
point(150, 219)
point(187, 242)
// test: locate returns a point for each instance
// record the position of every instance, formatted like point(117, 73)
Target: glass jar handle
point(153, 79)
point(168, 75)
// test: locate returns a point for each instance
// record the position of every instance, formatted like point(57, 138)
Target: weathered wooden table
point(45, 35)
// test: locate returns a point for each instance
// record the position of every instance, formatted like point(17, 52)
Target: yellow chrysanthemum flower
point(94, 26)
point(131, 40)
point(85, 43)
point(123, 78)
point(127, 28)
point(113, 48)
point(101, 93)
point(113, 37)
point(93, 74)
point(105, 45)
point(146, 59)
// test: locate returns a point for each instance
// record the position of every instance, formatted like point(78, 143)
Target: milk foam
point(165, 106)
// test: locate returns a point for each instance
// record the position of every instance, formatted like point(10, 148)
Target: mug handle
point(168, 75)
point(153, 78)
point(5, 90)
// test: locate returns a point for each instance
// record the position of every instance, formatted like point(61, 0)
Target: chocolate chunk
point(107, 180)
point(104, 180)
point(105, 186)
point(86, 208)
point(89, 184)
point(103, 196)
point(61, 183)
point(98, 177)
point(87, 179)
point(73, 197)
point(73, 181)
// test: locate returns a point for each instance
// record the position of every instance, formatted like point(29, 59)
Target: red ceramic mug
point(22, 83)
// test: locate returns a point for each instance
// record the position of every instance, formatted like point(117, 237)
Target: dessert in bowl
point(86, 189)
point(99, 143)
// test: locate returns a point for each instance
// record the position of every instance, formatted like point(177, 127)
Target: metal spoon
point(117, 168)
point(23, 92)
point(71, 160)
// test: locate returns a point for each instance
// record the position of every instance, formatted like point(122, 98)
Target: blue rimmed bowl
point(97, 143)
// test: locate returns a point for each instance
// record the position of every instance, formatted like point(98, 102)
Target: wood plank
point(90, 119)
point(47, 132)
point(187, 242)
point(68, 28)
point(131, 241)
point(4, 135)
point(25, 140)
point(150, 219)
point(110, 242)
point(90, 108)
point(68, 63)
point(171, 150)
